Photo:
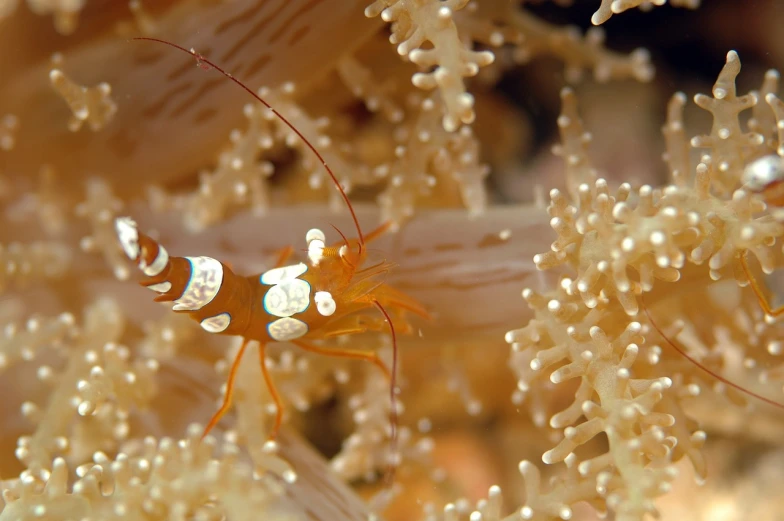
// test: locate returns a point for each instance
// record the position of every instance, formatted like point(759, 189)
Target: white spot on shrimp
point(128, 235)
point(204, 284)
point(216, 324)
point(325, 304)
point(287, 298)
point(287, 328)
point(278, 275)
point(161, 287)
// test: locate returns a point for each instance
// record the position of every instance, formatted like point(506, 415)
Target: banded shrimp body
point(332, 292)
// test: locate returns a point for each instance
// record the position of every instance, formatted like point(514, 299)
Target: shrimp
point(325, 297)
point(764, 177)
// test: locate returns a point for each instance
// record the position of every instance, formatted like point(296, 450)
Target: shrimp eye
point(325, 304)
point(315, 239)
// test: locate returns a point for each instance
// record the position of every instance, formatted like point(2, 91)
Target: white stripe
point(278, 275)
point(128, 236)
point(204, 284)
point(157, 266)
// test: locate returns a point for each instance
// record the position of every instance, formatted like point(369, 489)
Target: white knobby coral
point(415, 22)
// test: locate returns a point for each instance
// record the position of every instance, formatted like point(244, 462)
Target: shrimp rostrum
point(325, 297)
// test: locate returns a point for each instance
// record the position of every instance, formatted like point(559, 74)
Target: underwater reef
point(582, 195)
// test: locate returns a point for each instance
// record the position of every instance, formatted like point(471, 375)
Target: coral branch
point(728, 144)
point(496, 23)
point(610, 7)
point(91, 104)
point(614, 248)
point(415, 22)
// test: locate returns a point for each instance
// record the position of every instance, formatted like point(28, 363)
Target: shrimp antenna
point(699, 364)
point(392, 395)
point(345, 240)
point(201, 61)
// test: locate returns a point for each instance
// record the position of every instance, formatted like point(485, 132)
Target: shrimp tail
point(162, 273)
point(190, 282)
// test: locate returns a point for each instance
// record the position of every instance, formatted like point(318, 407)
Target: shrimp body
point(313, 300)
point(203, 287)
point(319, 299)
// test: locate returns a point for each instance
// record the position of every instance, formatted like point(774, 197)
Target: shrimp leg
point(757, 289)
point(284, 255)
point(354, 354)
point(272, 390)
point(229, 389)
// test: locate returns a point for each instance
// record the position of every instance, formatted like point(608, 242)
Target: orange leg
point(272, 390)
point(363, 354)
point(284, 256)
point(758, 291)
point(378, 232)
point(347, 331)
point(229, 389)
